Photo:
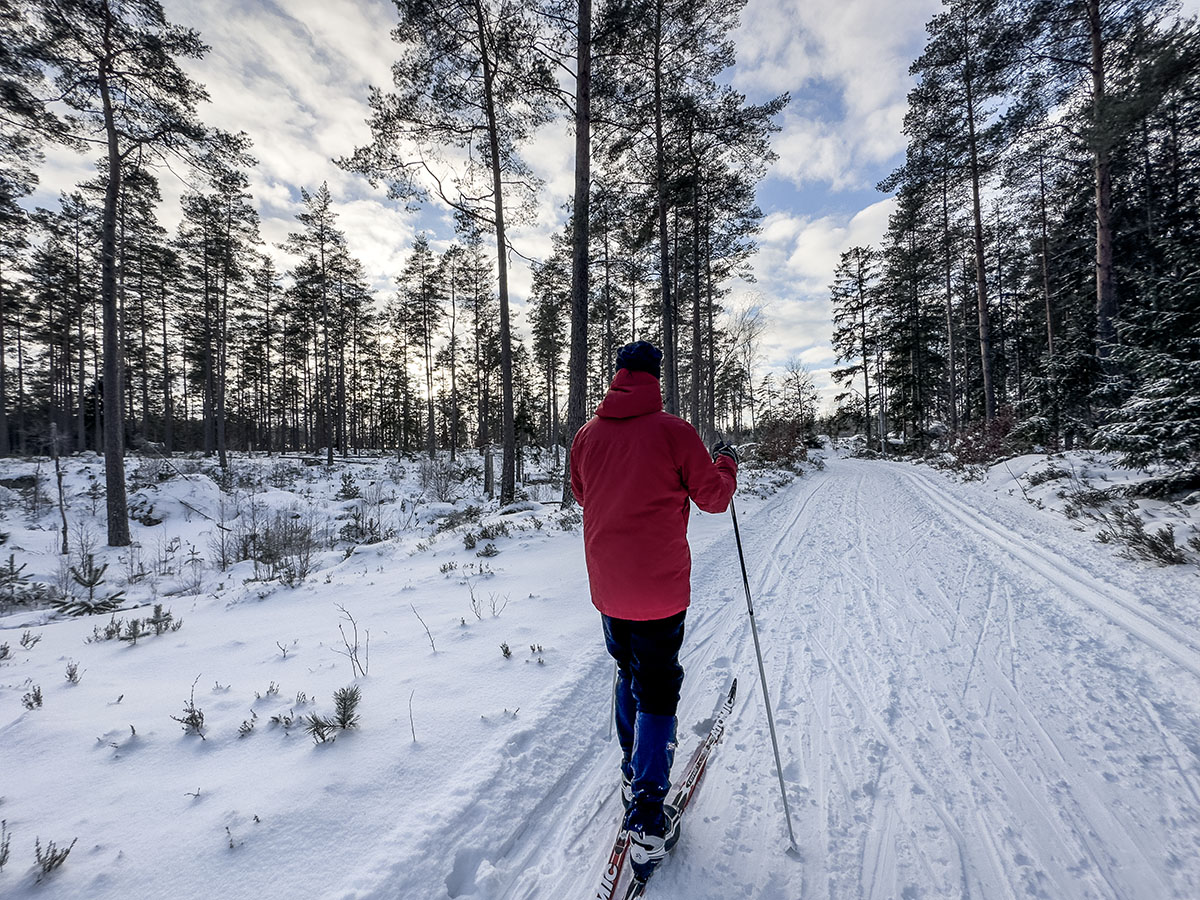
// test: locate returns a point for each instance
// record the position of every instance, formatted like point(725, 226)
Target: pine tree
point(467, 79)
point(96, 51)
point(856, 321)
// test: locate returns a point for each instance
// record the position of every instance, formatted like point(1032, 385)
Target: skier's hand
point(724, 448)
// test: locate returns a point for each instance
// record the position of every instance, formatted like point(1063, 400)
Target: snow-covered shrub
point(1125, 526)
point(489, 550)
point(284, 475)
point(5, 652)
point(33, 699)
point(247, 725)
point(782, 441)
point(494, 530)
point(5, 841)
point(282, 546)
point(150, 472)
point(1081, 496)
point(51, 858)
point(468, 514)
point(440, 479)
point(192, 719)
point(1052, 472)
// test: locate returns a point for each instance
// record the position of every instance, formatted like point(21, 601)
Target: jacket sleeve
point(576, 477)
point(709, 484)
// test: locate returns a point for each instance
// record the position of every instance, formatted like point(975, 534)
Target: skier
point(633, 470)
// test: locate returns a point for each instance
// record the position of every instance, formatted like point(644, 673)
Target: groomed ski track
point(973, 701)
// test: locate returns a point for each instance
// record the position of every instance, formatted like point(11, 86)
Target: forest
point(1039, 283)
point(1037, 286)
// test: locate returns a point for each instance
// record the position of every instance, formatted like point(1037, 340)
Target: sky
point(294, 75)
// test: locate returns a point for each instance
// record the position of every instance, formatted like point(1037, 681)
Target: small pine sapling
point(33, 699)
point(345, 704)
point(504, 649)
point(29, 640)
point(5, 652)
point(320, 729)
point(90, 576)
point(133, 631)
point(73, 674)
point(161, 621)
point(5, 841)
point(350, 489)
point(12, 580)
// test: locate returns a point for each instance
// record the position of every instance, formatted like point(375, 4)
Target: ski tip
point(793, 852)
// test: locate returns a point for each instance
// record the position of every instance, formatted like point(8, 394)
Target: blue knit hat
point(640, 357)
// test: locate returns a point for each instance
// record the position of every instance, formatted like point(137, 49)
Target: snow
point(973, 697)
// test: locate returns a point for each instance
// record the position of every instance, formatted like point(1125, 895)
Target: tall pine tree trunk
point(951, 367)
point(114, 437)
point(1106, 294)
point(981, 295)
point(508, 473)
point(4, 445)
point(670, 363)
point(580, 234)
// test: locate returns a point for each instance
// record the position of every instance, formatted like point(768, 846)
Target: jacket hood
point(631, 394)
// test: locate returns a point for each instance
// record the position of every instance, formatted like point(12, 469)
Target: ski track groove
point(1121, 611)
point(918, 763)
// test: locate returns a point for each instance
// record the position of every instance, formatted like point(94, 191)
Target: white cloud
point(845, 65)
point(794, 268)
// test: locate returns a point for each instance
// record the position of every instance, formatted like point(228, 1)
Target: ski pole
point(763, 675)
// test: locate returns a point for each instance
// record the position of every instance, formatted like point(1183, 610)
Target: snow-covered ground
point(973, 700)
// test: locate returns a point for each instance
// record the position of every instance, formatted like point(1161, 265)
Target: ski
point(618, 880)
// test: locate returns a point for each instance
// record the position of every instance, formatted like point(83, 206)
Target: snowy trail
point(967, 706)
point(973, 700)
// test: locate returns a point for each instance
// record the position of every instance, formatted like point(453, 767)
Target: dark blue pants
point(649, 677)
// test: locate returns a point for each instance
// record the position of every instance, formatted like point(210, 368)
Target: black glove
point(724, 448)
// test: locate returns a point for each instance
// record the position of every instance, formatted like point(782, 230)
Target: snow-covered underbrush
point(163, 702)
point(1147, 515)
point(267, 520)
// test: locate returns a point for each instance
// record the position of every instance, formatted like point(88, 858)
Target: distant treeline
point(115, 331)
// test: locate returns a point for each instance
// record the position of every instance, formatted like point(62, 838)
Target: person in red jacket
point(636, 470)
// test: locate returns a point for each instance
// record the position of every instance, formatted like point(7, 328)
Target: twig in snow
point(411, 724)
point(428, 634)
point(357, 666)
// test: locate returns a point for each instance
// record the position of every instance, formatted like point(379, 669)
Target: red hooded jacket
point(633, 470)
